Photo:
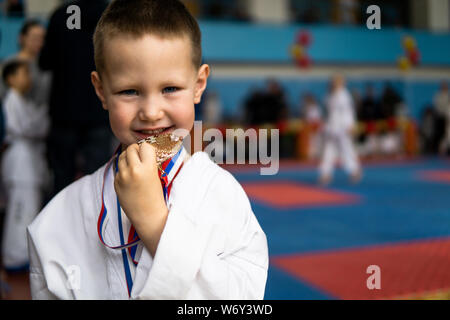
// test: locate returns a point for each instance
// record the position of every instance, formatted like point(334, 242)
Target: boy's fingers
point(133, 157)
point(123, 156)
point(147, 152)
point(122, 163)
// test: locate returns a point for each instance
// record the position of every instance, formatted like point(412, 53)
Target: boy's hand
point(140, 194)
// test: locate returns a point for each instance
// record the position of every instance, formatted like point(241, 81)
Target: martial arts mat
point(322, 239)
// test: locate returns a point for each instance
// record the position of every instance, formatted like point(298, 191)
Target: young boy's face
point(20, 80)
point(149, 83)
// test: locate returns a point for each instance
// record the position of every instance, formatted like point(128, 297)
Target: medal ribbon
point(167, 173)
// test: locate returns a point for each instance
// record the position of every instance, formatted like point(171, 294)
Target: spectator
point(370, 108)
point(348, 11)
point(311, 14)
point(14, 8)
point(442, 107)
point(212, 109)
point(79, 127)
point(442, 99)
point(428, 131)
point(266, 106)
point(216, 10)
point(310, 110)
point(369, 113)
point(253, 102)
point(312, 115)
point(31, 40)
point(274, 103)
point(390, 101)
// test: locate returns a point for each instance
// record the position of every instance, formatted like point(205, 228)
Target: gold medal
point(167, 145)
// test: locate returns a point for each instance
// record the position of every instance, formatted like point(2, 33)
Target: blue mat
point(397, 206)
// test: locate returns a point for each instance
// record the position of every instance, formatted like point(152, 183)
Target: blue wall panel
point(417, 94)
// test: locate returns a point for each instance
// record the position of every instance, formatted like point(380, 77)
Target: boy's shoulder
point(204, 183)
point(202, 170)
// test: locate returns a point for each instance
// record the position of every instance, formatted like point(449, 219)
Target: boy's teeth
point(153, 131)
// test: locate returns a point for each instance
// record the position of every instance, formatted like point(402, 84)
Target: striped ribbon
point(167, 173)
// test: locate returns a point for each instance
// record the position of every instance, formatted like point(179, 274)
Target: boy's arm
point(208, 249)
point(140, 194)
point(38, 283)
point(206, 259)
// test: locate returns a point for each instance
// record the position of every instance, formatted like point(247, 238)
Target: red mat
point(407, 269)
point(436, 175)
point(290, 194)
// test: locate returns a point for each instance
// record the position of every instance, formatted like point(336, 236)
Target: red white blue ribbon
point(168, 172)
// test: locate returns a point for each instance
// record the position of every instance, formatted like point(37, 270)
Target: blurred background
point(272, 63)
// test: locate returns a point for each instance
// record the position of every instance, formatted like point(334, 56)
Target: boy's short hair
point(166, 18)
point(10, 68)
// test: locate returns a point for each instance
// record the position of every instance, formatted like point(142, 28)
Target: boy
point(24, 169)
point(338, 133)
point(132, 230)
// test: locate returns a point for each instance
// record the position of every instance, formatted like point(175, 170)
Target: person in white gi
point(129, 231)
point(24, 169)
point(312, 115)
point(338, 141)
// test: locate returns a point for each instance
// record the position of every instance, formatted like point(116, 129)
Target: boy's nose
point(151, 111)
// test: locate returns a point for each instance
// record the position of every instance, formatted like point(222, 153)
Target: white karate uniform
point(212, 246)
point(313, 116)
point(338, 141)
point(24, 173)
point(40, 82)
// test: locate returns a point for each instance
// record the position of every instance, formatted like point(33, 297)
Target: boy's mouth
point(142, 134)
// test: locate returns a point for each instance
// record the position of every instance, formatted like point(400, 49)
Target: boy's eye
point(170, 89)
point(129, 92)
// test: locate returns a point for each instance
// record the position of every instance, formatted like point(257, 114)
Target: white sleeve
point(38, 283)
point(210, 258)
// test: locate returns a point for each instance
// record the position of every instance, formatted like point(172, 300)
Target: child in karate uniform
point(24, 169)
point(338, 141)
point(134, 230)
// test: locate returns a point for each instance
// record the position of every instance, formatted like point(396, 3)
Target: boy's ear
point(97, 83)
point(202, 80)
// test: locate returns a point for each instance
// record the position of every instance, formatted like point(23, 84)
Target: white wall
point(40, 8)
point(433, 15)
point(275, 11)
point(438, 15)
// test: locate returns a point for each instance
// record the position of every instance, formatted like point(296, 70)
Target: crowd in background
point(379, 117)
point(54, 129)
point(12, 8)
point(344, 12)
